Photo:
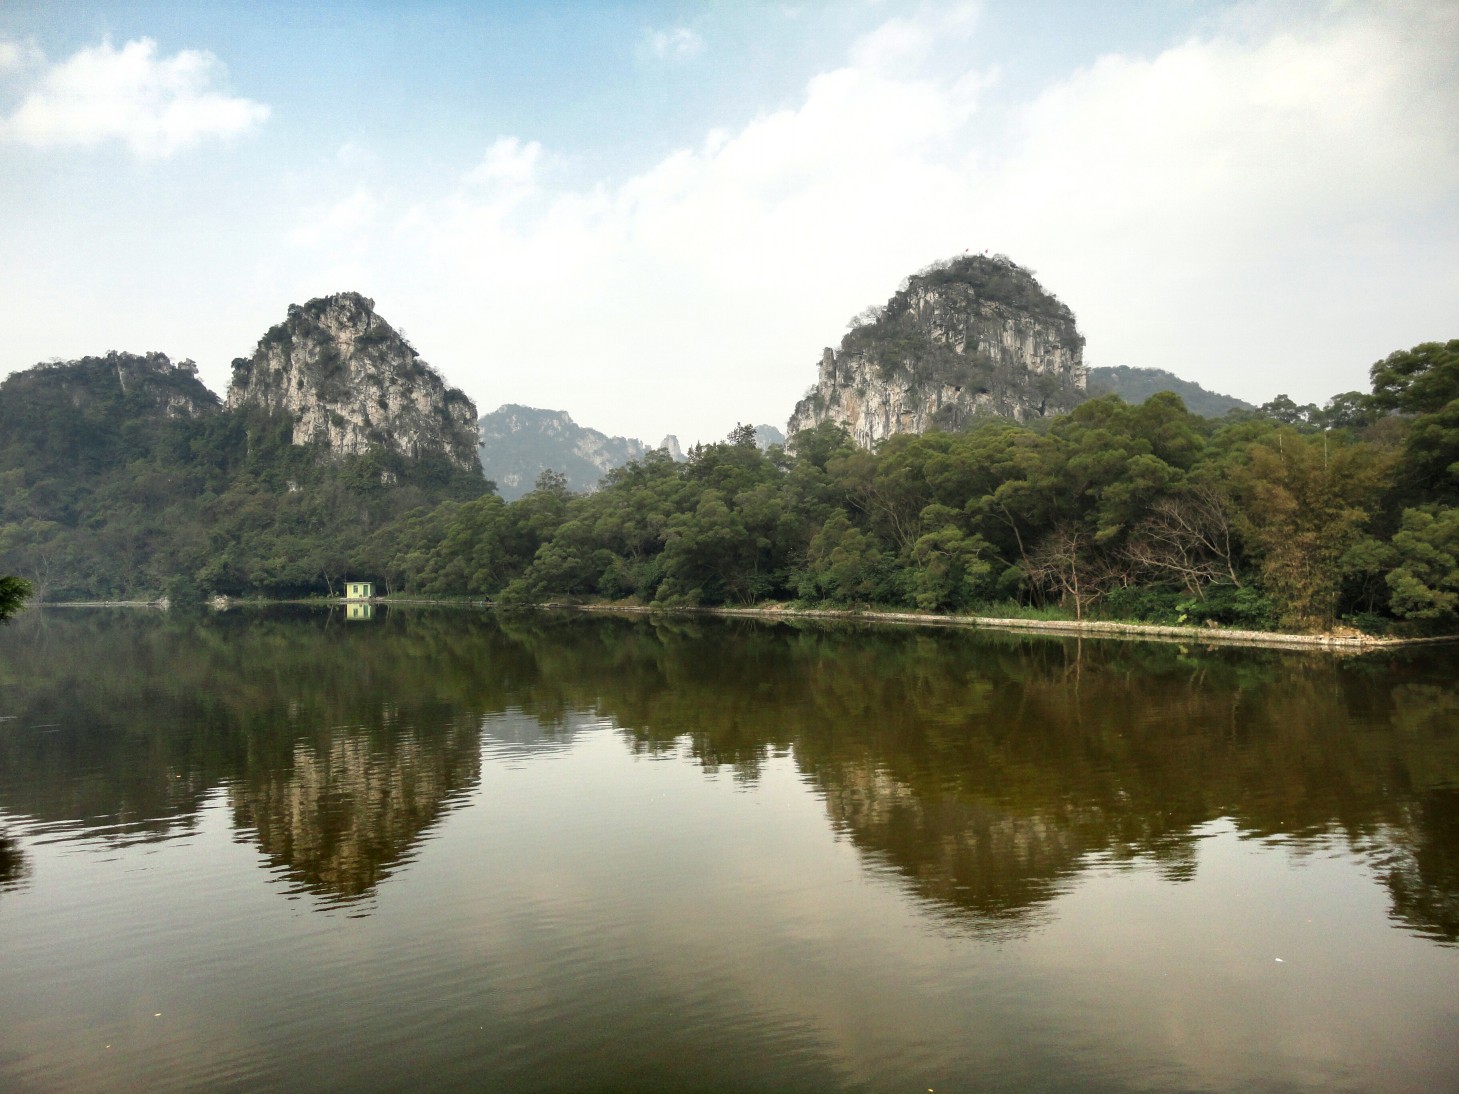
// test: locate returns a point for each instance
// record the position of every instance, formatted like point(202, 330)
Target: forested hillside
point(1135, 385)
point(122, 477)
point(1290, 517)
point(1146, 512)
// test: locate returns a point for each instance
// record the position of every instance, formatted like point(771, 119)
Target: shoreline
point(1074, 628)
point(99, 604)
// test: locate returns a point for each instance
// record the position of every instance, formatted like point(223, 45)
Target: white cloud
point(1236, 210)
point(676, 44)
point(1256, 213)
point(18, 56)
point(507, 162)
point(353, 156)
point(155, 105)
point(894, 42)
point(694, 267)
point(346, 222)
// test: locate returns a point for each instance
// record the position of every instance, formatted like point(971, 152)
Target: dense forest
point(120, 478)
point(1294, 517)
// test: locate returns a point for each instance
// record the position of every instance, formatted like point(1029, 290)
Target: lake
point(459, 850)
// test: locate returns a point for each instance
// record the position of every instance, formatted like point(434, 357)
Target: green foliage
point(1282, 409)
point(1140, 511)
point(1304, 502)
point(1425, 582)
point(121, 478)
point(1421, 380)
point(14, 592)
point(1119, 511)
point(1135, 385)
point(1244, 608)
point(1430, 468)
point(843, 564)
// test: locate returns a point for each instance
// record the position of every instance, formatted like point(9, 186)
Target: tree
point(742, 436)
point(1430, 467)
point(949, 567)
point(1283, 409)
point(1066, 564)
point(842, 564)
point(820, 444)
point(1348, 410)
point(1302, 504)
point(14, 592)
point(1425, 583)
point(1421, 380)
point(1187, 538)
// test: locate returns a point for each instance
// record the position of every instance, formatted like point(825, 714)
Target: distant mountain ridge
point(517, 443)
point(1135, 385)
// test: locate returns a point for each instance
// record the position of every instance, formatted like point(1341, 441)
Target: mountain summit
point(967, 338)
point(353, 383)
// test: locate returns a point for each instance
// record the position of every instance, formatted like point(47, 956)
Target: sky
point(655, 215)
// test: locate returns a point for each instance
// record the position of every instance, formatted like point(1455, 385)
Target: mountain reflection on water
point(985, 772)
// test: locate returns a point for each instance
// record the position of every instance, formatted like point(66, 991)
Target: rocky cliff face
point(354, 384)
point(973, 337)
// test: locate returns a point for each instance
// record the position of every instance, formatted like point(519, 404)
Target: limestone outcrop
point(961, 340)
point(353, 384)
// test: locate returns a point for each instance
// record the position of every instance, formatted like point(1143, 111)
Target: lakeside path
point(1347, 642)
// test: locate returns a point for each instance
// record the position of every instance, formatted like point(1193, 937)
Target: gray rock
point(970, 338)
point(767, 435)
point(353, 383)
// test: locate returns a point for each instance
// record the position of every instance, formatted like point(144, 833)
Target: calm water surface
point(449, 850)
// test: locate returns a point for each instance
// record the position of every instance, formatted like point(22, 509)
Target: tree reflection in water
point(13, 867)
point(984, 771)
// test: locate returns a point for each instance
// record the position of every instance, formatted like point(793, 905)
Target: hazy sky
point(655, 215)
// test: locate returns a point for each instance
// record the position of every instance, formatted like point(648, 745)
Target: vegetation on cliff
point(353, 383)
point(121, 478)
point(1263, 519)
point(962, 340)
point(1145, 512)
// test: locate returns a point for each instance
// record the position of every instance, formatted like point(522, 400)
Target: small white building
point(359, 590)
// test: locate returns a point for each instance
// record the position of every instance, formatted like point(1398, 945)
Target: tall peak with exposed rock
point(969, 338)
point(353, 383)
